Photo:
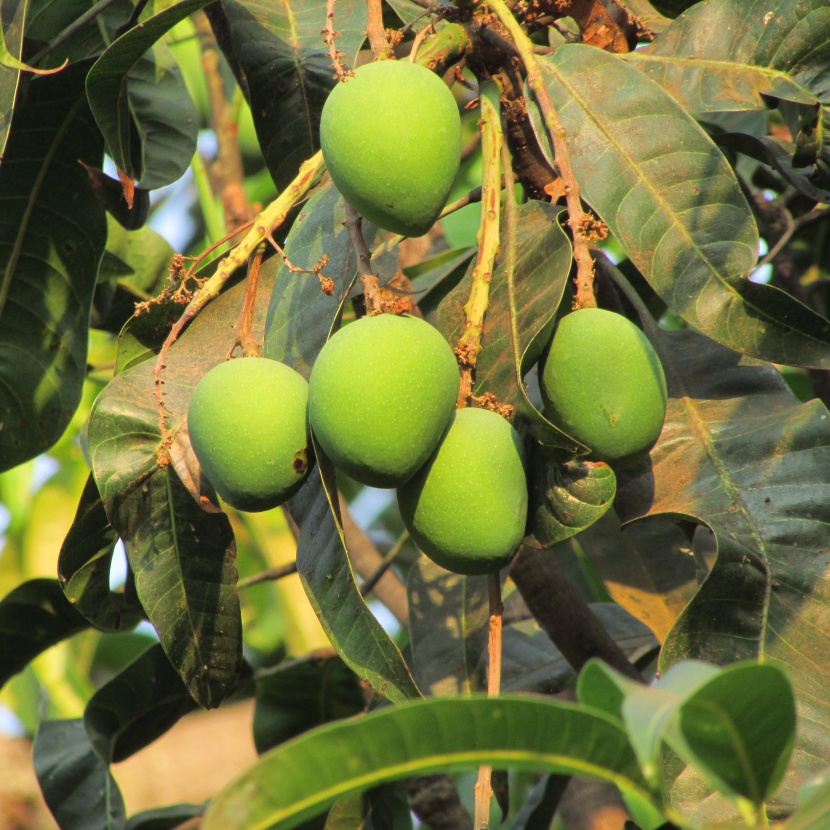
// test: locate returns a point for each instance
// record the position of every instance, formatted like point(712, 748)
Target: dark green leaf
point(440, 734)
point(679, 214)
point(740, 454)
point(84, 566)
point(126, 113)
point(300, 694)
point(448, 616)
point(52, 236)
point(12, 21)
point(289, 71)
point(538, 809)
point(137, 706)
point(164, 818)
point(567, 498)
point(33, 617)
point(143, 335)
point(77, 785)
point(727, 55)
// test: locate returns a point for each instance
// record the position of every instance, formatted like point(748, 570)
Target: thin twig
point(329, 35)
point(483, 788)
point(578, 220)
point(378, 42)
point(419, 39)
point(367, 587)
point(468, 199)
point(270, 575)
point(469, 344)
point(243, 336)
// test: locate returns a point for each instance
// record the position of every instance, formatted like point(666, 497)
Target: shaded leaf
point(33, 617)
point(297, 695)
point(289, 71)
point(729, 55)
point(740, 454)
point(440, 734)
point(12, 21)
point(52, 236)
point(163, 818)
point(448, 616)
point(84, 566)
point(117, 87)
point(76, 784)
point(673, 203)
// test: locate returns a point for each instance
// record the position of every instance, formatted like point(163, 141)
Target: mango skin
point(467, 507)
point(391, 140)
point(602, 383)
point(248, 426)
point(381, 393)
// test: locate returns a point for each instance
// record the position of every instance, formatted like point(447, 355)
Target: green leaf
point(77, 785)
point(132, 100)
point(436, 735)
point(164, 818)
point(567, 498)
point(84, 566)
point(813, 811)
point(448, 616)
point(12, 21)
point(289, 71)
point(741, 455)
point(297, 695)
point(729, 55)
point(33, 617)
point(673, 203)
point(137, 706)
point(52, 236)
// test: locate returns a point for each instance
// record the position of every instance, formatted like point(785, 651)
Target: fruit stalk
point(579, 222)
point(469, 344)
point(483, 789)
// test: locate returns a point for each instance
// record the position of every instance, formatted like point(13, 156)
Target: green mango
point(247, 421)
point(391, 140)
point(466, 508)
point(381, 393)
point(602, 383)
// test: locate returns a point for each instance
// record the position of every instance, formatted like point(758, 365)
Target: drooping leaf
point(448, 616)
point(52, 236)
point(300, 694)
point(730, 55)
point(740, 454)
point(33, 617)
point(137, 706)
point(130, 105)
point(289, 71)
point(76, 784)
point(84, 566)
point(440, 734)
point(164, 818)
point(673, 203)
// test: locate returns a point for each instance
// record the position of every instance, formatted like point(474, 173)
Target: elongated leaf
point(164, 818)
point(137, 706)
point(673, 203)
point(434, 735)
point(289, 70)
point(115, 104)
point(741, 455)
point(33, 617)
point(726, 55)
point(84, 566)
point(52, 236)
point(77, 785)
point(12, 20)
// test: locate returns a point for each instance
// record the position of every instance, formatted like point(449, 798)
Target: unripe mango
point(248, 426)
point(381, 393)
point(467, 507)
point(391, 140)
point(602, 383)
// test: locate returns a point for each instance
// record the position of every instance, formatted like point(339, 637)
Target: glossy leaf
point(84, 566)
point(52, 236)
point(741, 455)
point(76, 784)
point(289, 71)
point(126, 113)
point(33, 617)
point(137, 706)
point(671, 200)
point(731, 55)
point(297, 695)
point(441, 734)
